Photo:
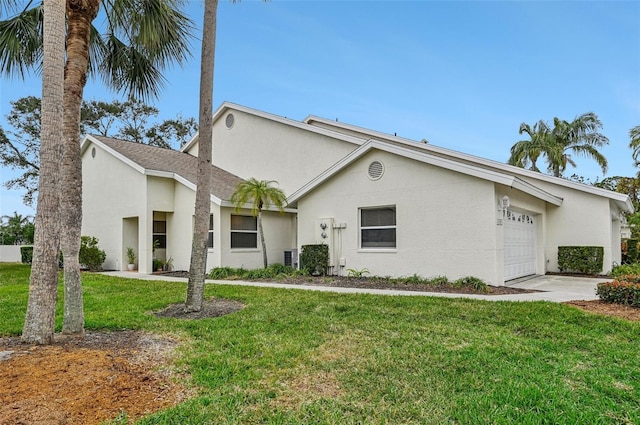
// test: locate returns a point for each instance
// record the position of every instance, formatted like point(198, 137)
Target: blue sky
point(462, 74)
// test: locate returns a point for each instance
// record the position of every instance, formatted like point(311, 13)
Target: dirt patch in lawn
point(97, 377)
point(210, 308)
point(87, 380)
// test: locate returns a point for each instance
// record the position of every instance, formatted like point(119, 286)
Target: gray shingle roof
point(223, 184)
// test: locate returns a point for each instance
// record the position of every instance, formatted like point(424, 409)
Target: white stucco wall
point(279, 236)
point(582, 219)
point(111, 191)
point(446, 221)
point(269, 150)
point(10, 253)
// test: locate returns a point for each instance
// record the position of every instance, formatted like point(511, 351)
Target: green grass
point(302, 357)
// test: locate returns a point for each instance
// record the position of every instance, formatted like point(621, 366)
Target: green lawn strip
point(293, 356)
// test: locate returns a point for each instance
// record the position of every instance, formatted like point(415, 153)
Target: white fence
point(10, 253)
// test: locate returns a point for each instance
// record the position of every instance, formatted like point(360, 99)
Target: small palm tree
point(557, 143)
point(634, 135)
point(260, 194)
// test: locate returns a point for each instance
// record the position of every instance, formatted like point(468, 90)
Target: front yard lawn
point(294, 357)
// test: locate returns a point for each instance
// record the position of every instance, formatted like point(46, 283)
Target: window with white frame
point(378, 227)
point(210, 235)
point(244, 231)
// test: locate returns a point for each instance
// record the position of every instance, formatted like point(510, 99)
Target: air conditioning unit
point(291, 258)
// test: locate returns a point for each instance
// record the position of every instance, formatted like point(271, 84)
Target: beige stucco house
point(393, 206)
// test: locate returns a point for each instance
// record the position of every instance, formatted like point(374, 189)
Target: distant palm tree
point(260, 194)
point(557, 144)
point(14, 227)
point(525, 153)
point(634, 135)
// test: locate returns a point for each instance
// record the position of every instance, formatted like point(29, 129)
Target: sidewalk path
point(551, 288)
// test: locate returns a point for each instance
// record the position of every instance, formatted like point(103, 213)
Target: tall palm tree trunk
point(195, 288)
point(264, 244)
point(39, 324)
point(80, 14)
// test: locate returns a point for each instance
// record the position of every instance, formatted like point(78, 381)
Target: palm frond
point(634, 143)
point(588, 151)
point(21, 43)
point(143, 39)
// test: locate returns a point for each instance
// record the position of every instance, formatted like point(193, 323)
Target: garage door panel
point(519, 245)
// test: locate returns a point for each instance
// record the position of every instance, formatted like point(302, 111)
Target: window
point(244, 231)
point(160, 233)
point(378, 227)
point(210, 236)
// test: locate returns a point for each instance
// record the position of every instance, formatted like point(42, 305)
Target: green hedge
point(624, 290)
point(315, 259)
point(581, 259)
point(26, 254)
point(632, 251)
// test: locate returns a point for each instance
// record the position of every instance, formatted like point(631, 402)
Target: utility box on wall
point(324, 235)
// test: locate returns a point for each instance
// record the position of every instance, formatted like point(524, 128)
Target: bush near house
point(91, 256)
point(626, 269)
point(581, 259)
point(315, 259)
point(26, 254)
point(624, 290)
point(629, 251)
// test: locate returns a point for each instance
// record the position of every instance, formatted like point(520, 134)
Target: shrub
point(473, 282)
point(26, 254)
point(624, 290)
point(626, 269)
point(91, 256)
point(632, 251)
point(582, 259)
point(355, 273)
point(439, 281)
point(315, 259)
point(273, 271)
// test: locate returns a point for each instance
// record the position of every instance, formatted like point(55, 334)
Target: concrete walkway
point(551, 288)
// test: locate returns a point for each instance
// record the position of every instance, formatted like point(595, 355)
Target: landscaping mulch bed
point(373, 283)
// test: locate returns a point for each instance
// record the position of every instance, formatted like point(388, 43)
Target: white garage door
point(519, 245)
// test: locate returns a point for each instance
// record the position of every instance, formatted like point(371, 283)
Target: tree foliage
point(558, 144)
point(132, 120)
point(16, 229)
point(634, 143)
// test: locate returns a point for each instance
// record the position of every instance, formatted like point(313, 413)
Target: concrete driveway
point(550, 288)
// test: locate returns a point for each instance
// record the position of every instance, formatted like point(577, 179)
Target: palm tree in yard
point(39, 324)
point(557, 144)
point(260, 194)
point(198, 263)
point(140, 40)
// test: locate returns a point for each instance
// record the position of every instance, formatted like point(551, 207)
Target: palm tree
point(525, 153)
point(14, 227)
point(195, 286)
point(260, 194)
point(634, 135)
point(39, 324)
point(578, 137)
point(141, 39)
